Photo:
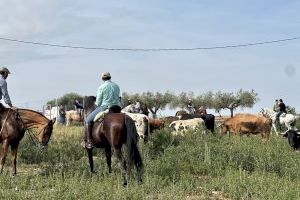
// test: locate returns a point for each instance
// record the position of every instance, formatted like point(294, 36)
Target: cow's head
point(224, 129)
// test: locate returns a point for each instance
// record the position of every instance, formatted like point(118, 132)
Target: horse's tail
point(132, 136)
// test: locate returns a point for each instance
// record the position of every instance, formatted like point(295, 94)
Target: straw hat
point(4, 69)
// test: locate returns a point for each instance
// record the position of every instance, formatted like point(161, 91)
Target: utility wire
point(151, 49)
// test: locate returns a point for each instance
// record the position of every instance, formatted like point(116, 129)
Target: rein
point(32, 137)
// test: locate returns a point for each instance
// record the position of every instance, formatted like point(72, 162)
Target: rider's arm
point(6, 95)
point(99, 97)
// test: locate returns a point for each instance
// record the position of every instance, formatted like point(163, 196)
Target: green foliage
point(126, 97)
point(218, 101)
point(193, 166)
point(181, 100)
point(246, 99)
point(231, 101)
point(159, 101)
point(154, 101)
point(222, 100)
point(67, 100)
point(160, 141)
point(291, 110)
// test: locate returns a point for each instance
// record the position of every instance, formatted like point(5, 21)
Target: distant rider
point(4, 72)
point(282, 109)
point(276, 106)
point(78, 107)
point(190, 107)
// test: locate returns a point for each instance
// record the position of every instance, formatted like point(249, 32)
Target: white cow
point(181, 126)
point(141, 122)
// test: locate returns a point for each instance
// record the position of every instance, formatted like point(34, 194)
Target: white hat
point(105, 75)
point(4, 69)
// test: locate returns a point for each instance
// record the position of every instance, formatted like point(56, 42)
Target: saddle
point(113, 109)
point(2, 108)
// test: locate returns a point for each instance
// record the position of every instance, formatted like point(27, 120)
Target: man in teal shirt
point(107, 95)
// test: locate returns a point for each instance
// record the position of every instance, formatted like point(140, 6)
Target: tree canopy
point(67, 100)
point(156, 101)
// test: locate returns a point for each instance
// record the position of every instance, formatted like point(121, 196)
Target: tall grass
point(194, 166)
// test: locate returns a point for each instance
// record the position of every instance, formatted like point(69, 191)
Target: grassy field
point(192, 167)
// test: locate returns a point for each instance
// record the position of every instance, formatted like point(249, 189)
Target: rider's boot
point(88, 132)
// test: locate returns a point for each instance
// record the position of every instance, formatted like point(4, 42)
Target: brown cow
point(155, 124)
point(168, 120)
point(248, 124)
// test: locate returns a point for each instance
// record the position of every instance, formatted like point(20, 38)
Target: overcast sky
point(40, 73)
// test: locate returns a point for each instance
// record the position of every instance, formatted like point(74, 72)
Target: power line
point(150, 49)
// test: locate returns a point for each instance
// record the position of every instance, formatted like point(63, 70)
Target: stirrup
point(89, 145)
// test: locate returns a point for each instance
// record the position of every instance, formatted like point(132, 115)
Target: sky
point(41, 73)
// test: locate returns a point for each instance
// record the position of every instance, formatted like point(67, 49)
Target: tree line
point(156, 101)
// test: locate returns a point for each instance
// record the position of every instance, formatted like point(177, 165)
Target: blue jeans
point(90, 118)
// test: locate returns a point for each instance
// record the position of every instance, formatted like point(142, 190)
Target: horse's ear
point(53, 120)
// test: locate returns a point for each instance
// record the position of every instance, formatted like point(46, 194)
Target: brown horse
point(111, 133)
point(14, 123)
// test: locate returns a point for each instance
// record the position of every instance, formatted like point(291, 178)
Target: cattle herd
point(240, 124)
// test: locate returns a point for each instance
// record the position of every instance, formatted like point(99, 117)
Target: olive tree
point(156, 101)
point(67, 100)
point(231, 101)
point(181, 100)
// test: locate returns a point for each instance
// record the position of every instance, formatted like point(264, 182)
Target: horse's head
point(266, 112)
point(46, 132)
point(262, 112)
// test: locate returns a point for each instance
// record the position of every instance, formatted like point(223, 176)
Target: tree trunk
point(231, 112)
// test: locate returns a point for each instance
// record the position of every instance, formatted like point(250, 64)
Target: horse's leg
point(5, 145)
point(108, 157)
point(68, 122)
point(14, 149)
point(137, 162)
point(90, 155)
point(274, 127)
point(289, 126)
point(123, 163)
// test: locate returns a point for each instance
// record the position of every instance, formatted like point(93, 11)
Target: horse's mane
point(33, 111)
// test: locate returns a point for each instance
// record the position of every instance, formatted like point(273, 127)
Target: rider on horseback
point(78, 107)
point(190, 107)
point(107, 96)
point(3, 86)
point(282, 109)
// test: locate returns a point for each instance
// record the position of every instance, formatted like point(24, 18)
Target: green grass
point(194, 166)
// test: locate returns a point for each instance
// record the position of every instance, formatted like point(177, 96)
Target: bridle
point(33, 138)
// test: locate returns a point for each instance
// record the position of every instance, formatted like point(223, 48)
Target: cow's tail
point(131, 143)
